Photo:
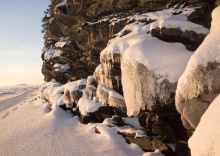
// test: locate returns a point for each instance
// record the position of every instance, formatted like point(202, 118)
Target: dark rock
point(165, 149)
point(142, 118)
point(182, 149)
point(127, 4)
point(120, 112)
point(190, 39)
point(148, 144)
point(117, 120)
point(98, 116)
point(202, 15)
point(164, 123)
point(97, 131)
point(143, 142)
point(125, 32)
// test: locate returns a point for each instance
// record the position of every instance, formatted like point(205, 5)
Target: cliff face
point(76, 35)
point(125, 57)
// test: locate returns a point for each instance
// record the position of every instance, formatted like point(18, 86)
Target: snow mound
point(179, 24)
point(53, 92)
point(86, 105)
point(157, 152)
point(206, 138)
point(75, 85)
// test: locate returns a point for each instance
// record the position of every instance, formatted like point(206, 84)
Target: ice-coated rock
point(73, 92)
point(109, 96)
point(149, 77)
point(109, 71)
point(91, 87)
point(199, 84)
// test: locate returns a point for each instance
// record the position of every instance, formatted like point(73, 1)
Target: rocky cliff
point(119, 58)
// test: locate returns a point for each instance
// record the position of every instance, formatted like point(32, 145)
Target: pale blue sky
point(21, 41)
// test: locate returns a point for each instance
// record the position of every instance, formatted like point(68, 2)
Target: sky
point(21, 41)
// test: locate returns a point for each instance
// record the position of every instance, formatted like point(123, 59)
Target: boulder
point(163, 122)
point(199, 84)
point(98, 116)
point(147, 76)
point(148, 144)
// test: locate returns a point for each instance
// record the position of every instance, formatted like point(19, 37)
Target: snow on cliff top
point(206, 138)
point(136, 46)
point(164, 59)
point(182, 14)
point(208, 51)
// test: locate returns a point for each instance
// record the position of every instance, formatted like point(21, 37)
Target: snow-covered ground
point(10, 96)
point(29, 128)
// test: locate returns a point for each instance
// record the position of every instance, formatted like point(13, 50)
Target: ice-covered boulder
point(150, 71)
point(206, 138)
point(199, 84)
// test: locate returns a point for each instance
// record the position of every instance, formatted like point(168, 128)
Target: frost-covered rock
point(206, 138)
point(199, 84)
point(91, 86)
point(73, 92)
